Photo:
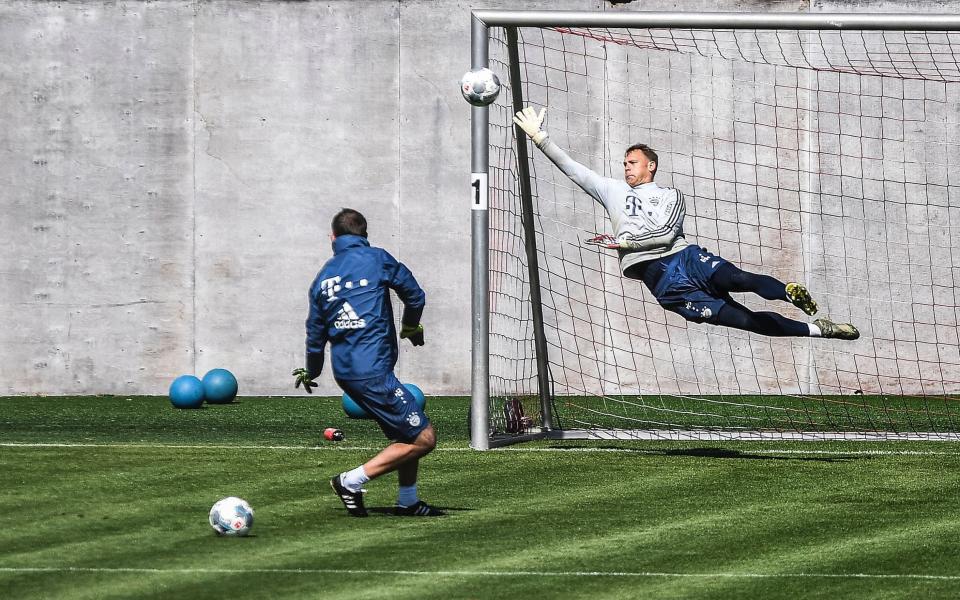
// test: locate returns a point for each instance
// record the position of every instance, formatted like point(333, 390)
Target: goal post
point(820, 148)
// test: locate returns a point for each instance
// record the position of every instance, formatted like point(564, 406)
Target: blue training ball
point(355, 411)
point(219, 386)
point(186, 391)
point(417, 395)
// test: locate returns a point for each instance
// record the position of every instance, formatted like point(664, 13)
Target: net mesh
point(828, 158)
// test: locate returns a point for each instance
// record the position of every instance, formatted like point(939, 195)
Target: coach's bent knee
point(426, 440)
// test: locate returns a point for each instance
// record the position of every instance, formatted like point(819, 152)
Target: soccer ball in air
point(480, 87)
point(231, 516)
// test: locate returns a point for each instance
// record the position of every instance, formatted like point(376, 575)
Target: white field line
point(620, 574)
point(517, 449)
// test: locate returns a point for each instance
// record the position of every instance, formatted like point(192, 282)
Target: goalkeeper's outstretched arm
point(531, 122)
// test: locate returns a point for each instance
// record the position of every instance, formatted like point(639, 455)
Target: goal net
point(824, 156)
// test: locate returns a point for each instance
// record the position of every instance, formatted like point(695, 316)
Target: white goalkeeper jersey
point(648, 217)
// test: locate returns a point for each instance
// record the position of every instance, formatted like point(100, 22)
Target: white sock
point(407, 495)
point(814, 330)
point(354, 480)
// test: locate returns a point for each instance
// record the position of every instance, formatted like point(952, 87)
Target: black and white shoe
point(352, 501)
point(420, 509)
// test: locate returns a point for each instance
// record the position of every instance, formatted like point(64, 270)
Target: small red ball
point(333, 434)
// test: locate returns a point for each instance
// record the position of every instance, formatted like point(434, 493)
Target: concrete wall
point(169, 170)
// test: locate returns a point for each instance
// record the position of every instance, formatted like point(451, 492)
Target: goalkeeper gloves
point(530, 122)
point(412, 332)
point(304, 378)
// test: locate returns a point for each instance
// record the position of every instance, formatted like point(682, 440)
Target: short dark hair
point(349, 222)
point(649, 152)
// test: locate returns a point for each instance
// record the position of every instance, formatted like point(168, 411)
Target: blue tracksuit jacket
point(350, 308)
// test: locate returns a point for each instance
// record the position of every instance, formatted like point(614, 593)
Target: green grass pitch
point(107, 497)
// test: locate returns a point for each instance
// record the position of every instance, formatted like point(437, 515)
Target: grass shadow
point(720, 453)
point(387, 511)
point(724, 453)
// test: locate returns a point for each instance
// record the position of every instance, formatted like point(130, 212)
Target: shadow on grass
point(723, 453)
point(387, 511)
point(737, 454)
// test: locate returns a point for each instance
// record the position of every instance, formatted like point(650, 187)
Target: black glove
point(412, 332)
point(304, 378)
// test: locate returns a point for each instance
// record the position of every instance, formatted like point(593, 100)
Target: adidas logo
point(348, 318)
point(348, 499)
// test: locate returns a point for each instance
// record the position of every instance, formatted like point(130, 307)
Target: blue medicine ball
point(219, 386)
point(355, 411)
point(417, 395)
point(186, 391)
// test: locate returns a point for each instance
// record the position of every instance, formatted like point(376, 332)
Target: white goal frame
point(481, 22)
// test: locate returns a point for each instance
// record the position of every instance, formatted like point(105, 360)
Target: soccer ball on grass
point(231, 516)
point(480, 87)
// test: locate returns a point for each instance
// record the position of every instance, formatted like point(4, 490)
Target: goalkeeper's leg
point(765, 323)
point(776, 325)
point(729, 278)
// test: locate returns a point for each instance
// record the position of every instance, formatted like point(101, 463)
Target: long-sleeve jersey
point(350, 308)
point(648, 217)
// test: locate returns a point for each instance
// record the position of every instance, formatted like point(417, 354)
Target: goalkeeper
point(350, 308)
point(686, 279)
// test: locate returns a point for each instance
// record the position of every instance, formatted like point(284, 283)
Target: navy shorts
point(393, 407)
point(684, 286)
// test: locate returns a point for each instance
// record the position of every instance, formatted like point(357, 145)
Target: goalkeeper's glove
point(304, 378)
point(605, 240)
point(412, 332)
point(530, 122)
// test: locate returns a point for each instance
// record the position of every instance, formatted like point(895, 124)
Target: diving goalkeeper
point(684, 278)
